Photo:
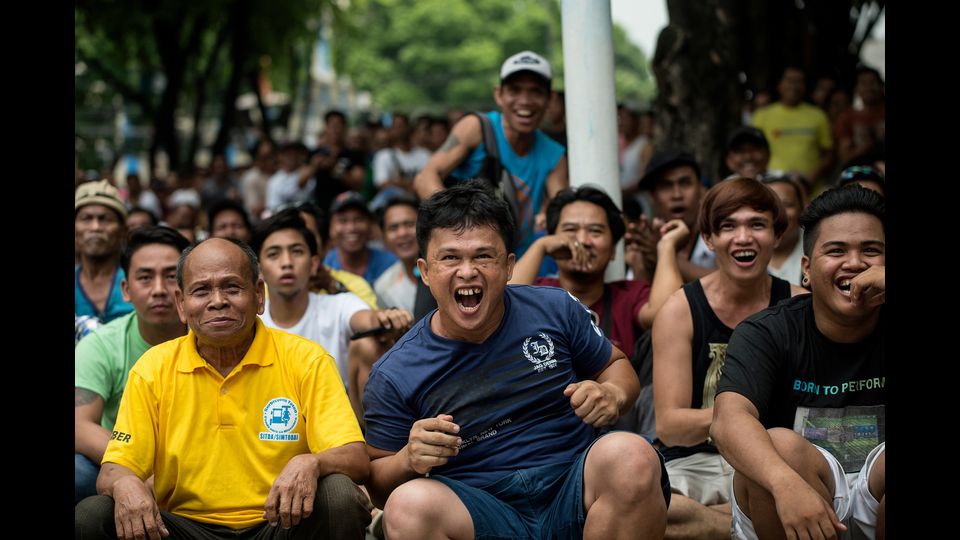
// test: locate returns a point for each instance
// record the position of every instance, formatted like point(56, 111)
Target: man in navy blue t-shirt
point(481, 420)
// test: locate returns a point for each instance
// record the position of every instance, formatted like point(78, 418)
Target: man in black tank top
point(741, 220)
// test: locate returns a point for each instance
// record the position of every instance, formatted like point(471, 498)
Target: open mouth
point(844, 286)
point(468, 299)
point(745, 256)
point(678, 211)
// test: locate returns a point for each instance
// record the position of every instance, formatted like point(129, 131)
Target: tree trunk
point(239, 57)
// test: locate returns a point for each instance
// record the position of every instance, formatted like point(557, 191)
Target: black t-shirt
point(831, 393)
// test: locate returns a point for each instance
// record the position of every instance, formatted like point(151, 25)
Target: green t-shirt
point(103, 359)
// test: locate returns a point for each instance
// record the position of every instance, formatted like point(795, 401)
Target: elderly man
point(99, 226)
point(482, 419)
point(243, 427)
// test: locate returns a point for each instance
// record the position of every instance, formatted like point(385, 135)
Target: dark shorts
point(541, 502)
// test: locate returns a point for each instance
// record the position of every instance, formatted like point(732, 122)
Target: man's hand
point(596, 404)
point(673, 234)
point(292, 493)
point(804, 513)
point(135, 511)
point(432, 441)
point(869, 288)
point(323, 280)
point(562, 247)
point(396, 320)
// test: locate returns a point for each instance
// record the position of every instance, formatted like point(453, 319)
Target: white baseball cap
point(526, 61)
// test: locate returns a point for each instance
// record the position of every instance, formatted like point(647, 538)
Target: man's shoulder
point(783, 316)
point(111, 334)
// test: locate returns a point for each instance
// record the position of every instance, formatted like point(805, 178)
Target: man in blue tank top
point(537, 163)
point(481, 420)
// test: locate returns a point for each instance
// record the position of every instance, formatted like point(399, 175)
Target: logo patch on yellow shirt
point(280, 416)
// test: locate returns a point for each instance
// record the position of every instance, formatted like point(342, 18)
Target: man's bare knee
point(803, 458)
point(424, 508)
point(623, 465)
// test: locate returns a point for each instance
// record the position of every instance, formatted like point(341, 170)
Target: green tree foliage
point(434, 54)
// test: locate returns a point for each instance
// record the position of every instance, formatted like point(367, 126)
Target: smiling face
point(467, 273)
point(743, 243)
point(792, 206)
point(587, 223)
point(747, 159)
point(523, 100)
point(350, 230)
point(219, 300)
point(846, 245)
point(400, 232)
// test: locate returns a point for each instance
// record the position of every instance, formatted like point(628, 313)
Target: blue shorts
point(541, 502)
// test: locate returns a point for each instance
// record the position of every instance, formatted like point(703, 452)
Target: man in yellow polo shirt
point(247, 431)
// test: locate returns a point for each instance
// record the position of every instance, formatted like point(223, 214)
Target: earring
point(805, 281)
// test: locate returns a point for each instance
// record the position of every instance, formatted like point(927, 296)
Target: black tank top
point(709, 347)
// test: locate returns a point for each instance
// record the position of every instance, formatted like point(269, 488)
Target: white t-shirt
point(790, 270)
point(395, 289)
point(386, 162)
point(630, 170)
point(284, 187)
point(327, 322)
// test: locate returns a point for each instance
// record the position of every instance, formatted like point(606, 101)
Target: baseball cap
point(664, 160)
point(99, 192)
point(349, 199)
point(526, 61)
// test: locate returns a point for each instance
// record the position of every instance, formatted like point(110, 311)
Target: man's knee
point(84, 477)
point(339, 496)
point(626, 465)
point(877, 479)
point(93, 517)
point(423, 505)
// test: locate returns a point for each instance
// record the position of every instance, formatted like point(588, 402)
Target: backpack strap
point(493, 168)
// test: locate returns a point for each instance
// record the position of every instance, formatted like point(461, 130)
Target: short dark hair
point(150, 235)
point(247, 250)
point(141, 210)
point(289, 218)
point(852, 198)
point(320, 216)
point(397, 200)
point(723, 199)
point(224, 205)
point(462, 206)
point(334, 112)
point(587, 194)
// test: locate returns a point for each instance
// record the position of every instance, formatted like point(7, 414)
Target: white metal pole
point(590, 101)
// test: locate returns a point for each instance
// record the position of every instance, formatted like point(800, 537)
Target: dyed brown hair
point(725, 198)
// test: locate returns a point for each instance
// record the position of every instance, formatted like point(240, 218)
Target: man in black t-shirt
point(799, 410)
point(338, 168)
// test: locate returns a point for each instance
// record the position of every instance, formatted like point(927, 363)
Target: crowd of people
point(405, 331)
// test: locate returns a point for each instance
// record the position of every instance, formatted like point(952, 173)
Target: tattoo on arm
point(449, 144)
point(83, 397)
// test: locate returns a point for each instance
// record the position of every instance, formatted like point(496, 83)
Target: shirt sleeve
point(326, 408)
point(133, 442)
point(349, 305)
point(91, 368)
point(751, 365)
point(387, 419)
point(589, 349)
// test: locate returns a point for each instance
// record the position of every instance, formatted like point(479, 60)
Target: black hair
point(395, 200)
point(852, 198)
point(224, 205)
point(321, 217)
point(591, 195)
point(139, 209)
point(334, 112)
point(150, 235)
point(462, 206)
point(247, 250)
point(289, 218)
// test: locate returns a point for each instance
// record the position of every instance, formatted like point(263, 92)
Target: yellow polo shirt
point(796, 136)
point(215, 444)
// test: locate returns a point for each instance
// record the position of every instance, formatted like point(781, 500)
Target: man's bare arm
point(466, 135)
point(89, 437)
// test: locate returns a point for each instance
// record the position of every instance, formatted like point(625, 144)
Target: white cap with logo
point(526, 61)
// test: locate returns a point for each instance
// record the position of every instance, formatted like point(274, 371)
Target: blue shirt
point(115, 306)
point(378, 263)
point(529, 174)
point(506, 393)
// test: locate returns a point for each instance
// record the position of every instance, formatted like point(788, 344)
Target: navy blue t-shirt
point(506, 393)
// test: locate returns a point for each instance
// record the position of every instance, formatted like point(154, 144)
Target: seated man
point(288, 257)
point(242, 426)
point(397, 286)
point(741, 221)
point(350, 224)
point(482, 419)
point(102, 359)
point(797, 371)
point(585, 226)
point(227, 218)
point(99, 229)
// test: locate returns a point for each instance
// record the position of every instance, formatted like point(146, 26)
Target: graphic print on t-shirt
point(718, 355)
point(848, 433)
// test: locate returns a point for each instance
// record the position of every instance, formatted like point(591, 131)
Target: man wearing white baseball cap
point(537, 164)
